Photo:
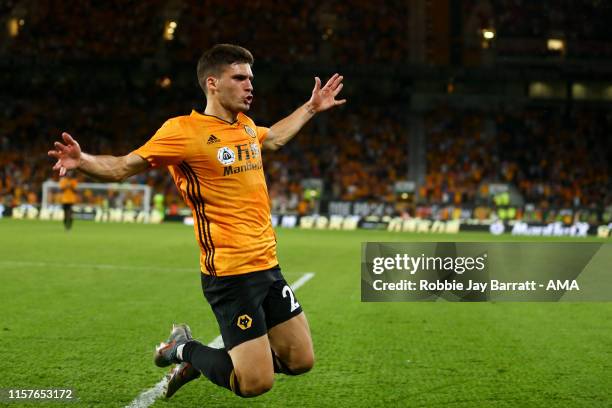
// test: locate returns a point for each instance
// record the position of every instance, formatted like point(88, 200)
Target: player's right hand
point(68, 155)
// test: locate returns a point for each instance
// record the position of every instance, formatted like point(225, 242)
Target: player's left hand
point(68, 154)
point(325, 98)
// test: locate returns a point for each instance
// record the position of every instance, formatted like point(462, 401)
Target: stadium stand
point(555, 155)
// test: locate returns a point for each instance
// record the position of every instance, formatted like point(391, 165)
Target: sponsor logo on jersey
point(247, 151)
point(213, 139)
point(246, 156)
point(229, 170)
point(255, 150)
point(226, 156)
point(244, 321)
point(250, 131)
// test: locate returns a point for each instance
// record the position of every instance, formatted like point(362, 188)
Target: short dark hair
point(214, 60)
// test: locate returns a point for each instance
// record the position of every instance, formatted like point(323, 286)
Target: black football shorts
point(248, 305)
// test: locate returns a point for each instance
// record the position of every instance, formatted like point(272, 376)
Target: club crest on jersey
point(226, 156)
point(250, 131)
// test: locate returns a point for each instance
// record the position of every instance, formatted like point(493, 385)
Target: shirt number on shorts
point(288, 292)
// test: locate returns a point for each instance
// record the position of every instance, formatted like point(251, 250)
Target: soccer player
point(68, 187)
point(215, 160)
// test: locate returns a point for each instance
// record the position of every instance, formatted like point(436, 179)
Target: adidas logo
point(213, 139)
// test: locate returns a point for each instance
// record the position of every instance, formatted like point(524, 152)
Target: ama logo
point(226, 156)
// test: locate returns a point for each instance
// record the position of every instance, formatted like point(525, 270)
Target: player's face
point(235, 87)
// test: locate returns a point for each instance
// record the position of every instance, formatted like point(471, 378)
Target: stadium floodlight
point(579, 91)
point(169, 29)
point(488, 33)
point(14, 26)
point(165, 82)
point(555, 44)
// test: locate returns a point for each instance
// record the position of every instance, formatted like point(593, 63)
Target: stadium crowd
point(534, 19)
point(554, 158)
point(336, 154)
point(523, 27)
point(318, 30)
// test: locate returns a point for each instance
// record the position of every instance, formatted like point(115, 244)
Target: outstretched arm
point(104, 168)
point(322, 99)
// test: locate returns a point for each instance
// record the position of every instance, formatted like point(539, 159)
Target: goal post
point(102, 201)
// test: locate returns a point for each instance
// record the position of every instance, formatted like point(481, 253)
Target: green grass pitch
point(85, 309)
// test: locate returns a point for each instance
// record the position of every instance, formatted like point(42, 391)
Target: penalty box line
point(148, 397)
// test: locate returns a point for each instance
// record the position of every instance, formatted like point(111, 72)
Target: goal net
point(102, 202)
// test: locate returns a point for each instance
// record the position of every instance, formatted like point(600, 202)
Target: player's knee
point(303, 363)
point(256, 385)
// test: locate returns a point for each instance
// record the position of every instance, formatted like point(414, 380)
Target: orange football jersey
point(217, 167)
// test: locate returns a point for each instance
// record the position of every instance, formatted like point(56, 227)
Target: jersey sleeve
point(167, 146)
point(262, 133)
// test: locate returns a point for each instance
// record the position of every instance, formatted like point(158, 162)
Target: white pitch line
point(148, 397)
point(300, 282)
